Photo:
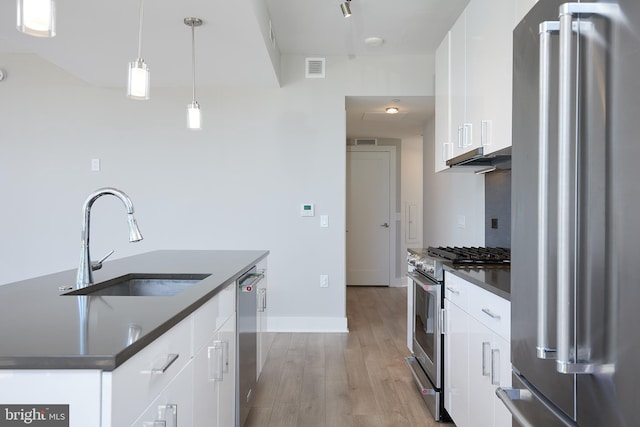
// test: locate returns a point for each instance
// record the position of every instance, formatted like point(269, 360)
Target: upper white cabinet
point(444, 145)
point(479, 73)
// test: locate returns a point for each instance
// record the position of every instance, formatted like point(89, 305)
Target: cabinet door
point(456, 369)
point(214, 374)
point(443, 144)
point(227, 387)
point(458, 85)
point(173, 405)
point(501, 349)
point(263, 336)
point(480, 387)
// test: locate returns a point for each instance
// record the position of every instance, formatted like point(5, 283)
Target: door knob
point(385, 225)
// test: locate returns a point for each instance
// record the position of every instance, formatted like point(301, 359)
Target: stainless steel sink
point(145, 285)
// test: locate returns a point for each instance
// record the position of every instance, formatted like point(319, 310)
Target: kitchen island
point(110, 358)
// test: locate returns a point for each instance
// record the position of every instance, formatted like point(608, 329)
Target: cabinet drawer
point(129, 389)
point(491, 310)
point(212, 315)
point(456, 290)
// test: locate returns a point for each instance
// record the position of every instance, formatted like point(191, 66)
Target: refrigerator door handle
point(566, 363)
point(543, 348)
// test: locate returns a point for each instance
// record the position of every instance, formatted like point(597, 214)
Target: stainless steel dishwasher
point(247, 341)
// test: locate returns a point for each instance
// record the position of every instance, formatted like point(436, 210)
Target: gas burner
point(472, 255)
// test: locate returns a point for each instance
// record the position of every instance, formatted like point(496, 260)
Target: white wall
point(447, 195)
point(412, 189)
point(237, 184)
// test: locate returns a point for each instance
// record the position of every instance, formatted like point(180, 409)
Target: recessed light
point(392, 110)
point(374, 41)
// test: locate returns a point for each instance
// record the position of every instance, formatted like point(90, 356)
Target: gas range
point(429, 262)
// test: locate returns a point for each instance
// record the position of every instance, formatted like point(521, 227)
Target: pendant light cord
point(193, 60)
point(140, 29)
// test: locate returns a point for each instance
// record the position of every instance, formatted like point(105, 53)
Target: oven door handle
point(424, 283)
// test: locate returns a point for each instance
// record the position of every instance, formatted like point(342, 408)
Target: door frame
point(394, 214)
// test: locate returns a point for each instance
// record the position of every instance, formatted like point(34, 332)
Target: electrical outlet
point(324, 281)
point(494, 222)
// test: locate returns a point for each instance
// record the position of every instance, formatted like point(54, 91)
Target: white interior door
point(368, 218)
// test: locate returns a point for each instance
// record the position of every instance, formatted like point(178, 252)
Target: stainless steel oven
point(426, 274)
point(426, 364)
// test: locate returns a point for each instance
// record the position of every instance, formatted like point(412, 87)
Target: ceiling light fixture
point(138, 82)
point(194, 118)
point(37, 17)
point(346, 9)
point(392, 110)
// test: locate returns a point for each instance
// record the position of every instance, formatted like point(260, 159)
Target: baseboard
point(307, 324)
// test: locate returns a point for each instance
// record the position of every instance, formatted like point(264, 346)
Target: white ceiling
point(96, 39)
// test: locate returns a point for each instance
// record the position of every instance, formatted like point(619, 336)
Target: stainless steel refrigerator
point(575, 260)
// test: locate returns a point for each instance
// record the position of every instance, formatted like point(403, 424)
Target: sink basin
point(145, 285)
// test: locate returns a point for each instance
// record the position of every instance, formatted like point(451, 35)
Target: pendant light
point(194, 117)
point(138, 81)
point(346, 8)
point(37, 17)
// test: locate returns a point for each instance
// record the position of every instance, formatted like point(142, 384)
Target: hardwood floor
point(357, 379)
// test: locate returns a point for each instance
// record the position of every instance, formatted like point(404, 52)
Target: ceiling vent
point(366, 141)
point(314, 68)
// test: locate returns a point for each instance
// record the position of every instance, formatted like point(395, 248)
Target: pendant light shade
point(194, 118)
point(37, 17)
point(138, 87)
point(138, 79)
point(346, 8)
point(194, 115)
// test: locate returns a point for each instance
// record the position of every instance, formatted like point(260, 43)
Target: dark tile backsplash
point(497, 201)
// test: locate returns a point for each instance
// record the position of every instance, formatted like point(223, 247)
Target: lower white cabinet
point(264, 338)
point(186, 376)
point(477, 354)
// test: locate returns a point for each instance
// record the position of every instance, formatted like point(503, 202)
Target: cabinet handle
point(215, 358)
point(262, 299)
point(467, 135)
point(495, 366)
point(491, 314)
point(486, 346)
point(170, 359)
point(225, 353)
point(485, 132)
point(447, 151)
point(443, 329)
point(460, 137)
point(453, 290)
point(162, 414)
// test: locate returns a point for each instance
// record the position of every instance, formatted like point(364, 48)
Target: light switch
point(324, 221)
point(461, 221)
point(95, 165)
point(324, 281)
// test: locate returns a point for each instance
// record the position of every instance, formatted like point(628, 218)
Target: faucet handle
point(98, 265)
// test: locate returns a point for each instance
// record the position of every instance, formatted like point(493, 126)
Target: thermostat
point(306, 209)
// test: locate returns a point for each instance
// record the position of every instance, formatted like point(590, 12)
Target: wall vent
point(314, 68)
point(366, 141)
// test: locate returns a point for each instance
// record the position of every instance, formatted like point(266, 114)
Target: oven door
point(427, 335)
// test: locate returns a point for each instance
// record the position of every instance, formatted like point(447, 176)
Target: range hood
point(476, 158)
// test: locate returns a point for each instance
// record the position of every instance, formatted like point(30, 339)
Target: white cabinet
point(477, 354)
point(130, 389)
point(480, 76)
point(214, 367)
point(461, 129)
point(263, 336)
point(443, 143)
point(189, 370)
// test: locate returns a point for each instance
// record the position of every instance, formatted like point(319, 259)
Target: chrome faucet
point(85, 269)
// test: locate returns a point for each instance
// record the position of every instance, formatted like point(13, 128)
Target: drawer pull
point(486, 348)
point(170, 359)
point(453, 290)
point(216, 361)
point(490, 314)
point(495, 366)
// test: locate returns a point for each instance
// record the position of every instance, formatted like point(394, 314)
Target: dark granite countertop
point(493, 278)
point(41, 329)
